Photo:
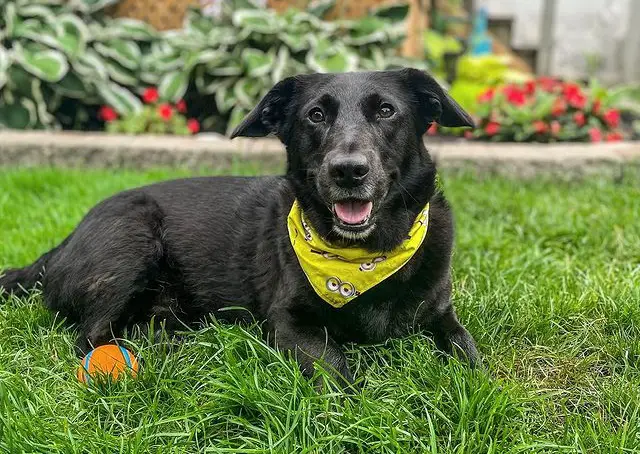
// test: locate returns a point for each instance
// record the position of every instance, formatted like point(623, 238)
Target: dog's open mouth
point(353, 213)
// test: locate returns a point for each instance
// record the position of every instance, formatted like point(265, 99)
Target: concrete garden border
point(69, 149)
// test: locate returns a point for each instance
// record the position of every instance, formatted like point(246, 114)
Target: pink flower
point(433, 129)
point(555, 128)
point(579, 118)
point(150, 95)
point(107, 114)
point(181, 106)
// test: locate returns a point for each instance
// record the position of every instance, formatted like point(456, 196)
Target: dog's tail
point(20, 280)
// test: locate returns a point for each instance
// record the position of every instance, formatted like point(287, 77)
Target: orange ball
point(107, 361)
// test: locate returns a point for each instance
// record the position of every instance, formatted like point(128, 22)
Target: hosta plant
point(60, 60)
point(236, 57)
point(546, 110)
point(156, 117)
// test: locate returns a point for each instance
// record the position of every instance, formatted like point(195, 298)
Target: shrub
point(237, 57)
point(546, 110)
point(60, 60)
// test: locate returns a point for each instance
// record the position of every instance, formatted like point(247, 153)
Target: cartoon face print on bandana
point(328, 255)
point(370, 266)
point(307, 230)
point(345, 289)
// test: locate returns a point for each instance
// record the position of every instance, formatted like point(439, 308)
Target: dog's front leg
point(308, 343)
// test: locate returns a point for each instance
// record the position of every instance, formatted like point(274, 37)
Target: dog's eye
point(316, 115)
point(386, 110)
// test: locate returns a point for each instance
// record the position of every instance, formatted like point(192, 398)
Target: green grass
point(547, 279)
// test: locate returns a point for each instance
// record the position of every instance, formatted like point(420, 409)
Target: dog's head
point(355, 152)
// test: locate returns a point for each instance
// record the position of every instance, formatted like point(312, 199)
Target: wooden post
point(547, 28)
point(417, 24)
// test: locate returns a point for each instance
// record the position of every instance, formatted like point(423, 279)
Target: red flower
point(555, 128)
point(150, 95)
point(487, 95)
point(107, 114)
point(530, 87)
point(547, 83)
point(540, 126)
point(165, 111)
point(596, 106)
point(181, 106)
point(193, 126)
point(579, 118)
point(573, 95)
point(492, 128)
point(559, 107)
point(612, 118)
point(433, 129)
point(515, 95)
point(614, 137)
point(595, 135)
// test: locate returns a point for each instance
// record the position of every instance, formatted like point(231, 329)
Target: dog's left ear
point(435, 104)
point(269, 115)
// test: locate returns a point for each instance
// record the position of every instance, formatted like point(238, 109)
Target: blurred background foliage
point(62, 61)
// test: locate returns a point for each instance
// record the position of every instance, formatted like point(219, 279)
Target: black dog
point(180, 250)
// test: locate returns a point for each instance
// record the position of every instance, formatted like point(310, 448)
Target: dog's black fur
point(180, 250)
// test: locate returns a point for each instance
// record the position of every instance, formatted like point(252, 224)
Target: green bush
point(240, 55)
point(60, 60)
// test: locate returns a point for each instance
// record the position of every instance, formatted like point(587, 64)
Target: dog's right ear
point(269, 115)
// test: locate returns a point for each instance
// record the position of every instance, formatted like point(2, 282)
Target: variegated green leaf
point(91, 66)
point(231, 68)
point(126, 53)
point(49, 65)
point(237, 115)
point(72, 86)
point(10, 19)
point(225, 99)
point(339, 62)
point(120, 74)
point(75, 34)
point(256, 62)
point(91, 6)
point(280, 64)
point(257, 20)
point(18, 114)
point(121, 99)
point(173, 85)
point(127, 28)
point(297, 43)
point(5, 62)
point(246, 91)
point(34, 10)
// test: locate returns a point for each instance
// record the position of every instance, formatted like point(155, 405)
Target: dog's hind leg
point(109, 262)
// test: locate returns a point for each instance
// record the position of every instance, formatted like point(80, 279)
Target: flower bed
point(546, 110)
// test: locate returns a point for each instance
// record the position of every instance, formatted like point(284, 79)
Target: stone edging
point(67, 149)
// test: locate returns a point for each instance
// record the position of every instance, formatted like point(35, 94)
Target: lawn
point(546, 278)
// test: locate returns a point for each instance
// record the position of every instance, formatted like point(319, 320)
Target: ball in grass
point(107, 361)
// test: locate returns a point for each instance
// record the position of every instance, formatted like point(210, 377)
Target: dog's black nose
point(349, 170)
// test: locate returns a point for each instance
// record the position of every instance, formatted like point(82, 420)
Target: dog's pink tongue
point(353, 212)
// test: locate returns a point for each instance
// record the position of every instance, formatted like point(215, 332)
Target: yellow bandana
point(339, 275)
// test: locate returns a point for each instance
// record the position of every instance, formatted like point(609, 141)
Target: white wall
point(582, 27)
